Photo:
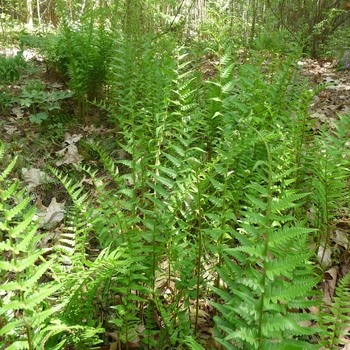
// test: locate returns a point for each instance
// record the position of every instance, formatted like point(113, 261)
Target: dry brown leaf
point(344, 339)
point(70, 155)
point(53, 214)
point(314, 310)
point(52, 236)
point(306, 323)
point(70, 139)
point(34, 177)
point(10, 129)
point(324, 256)
point(85, 179)
point(329, 284)
point(114, 346)
point(18, 112)
point(341, 237)
point(113, 335)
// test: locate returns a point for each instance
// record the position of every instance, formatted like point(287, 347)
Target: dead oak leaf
point(18, 112)
point(34, 177)
point(70, 139)
point(53, 214)
point(69, 155)
point(324, 255)
point(330, 281)
point(341, 238)
point(11, 130)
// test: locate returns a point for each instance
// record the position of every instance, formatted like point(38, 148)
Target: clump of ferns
point(173, 124)
point(334, 318)
point(268, 274)
point(28, 290)
point(143, 236)
point(330, 178)
point(112, 272)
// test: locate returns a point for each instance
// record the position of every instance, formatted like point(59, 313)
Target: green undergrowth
point(208, 206)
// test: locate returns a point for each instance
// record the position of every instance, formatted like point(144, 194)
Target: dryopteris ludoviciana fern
point(335, 318)
point(85, 51)
point(268, 274)
point(331, 175)
point(25, 308)
point(120, 269)
point(232, 144)
point(160, 139)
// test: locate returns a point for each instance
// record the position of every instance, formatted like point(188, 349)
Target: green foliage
point(191, 160)
point(11, 67)
point(274, 41)
point(263, 275)
point(247, 173)
point(34, 98)
point(81, 53)
point(335, 316)
point(330, 176)
point(28, 302)
point(204, 186)
point(6, 99)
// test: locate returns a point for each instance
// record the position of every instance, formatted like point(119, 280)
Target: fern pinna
point(267, 275)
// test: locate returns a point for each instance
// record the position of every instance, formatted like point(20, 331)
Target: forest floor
point(332, 101)
point(58, 143)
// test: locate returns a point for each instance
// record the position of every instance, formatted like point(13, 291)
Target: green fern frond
point(25, 307)
point(263, 279)
point(334, 321)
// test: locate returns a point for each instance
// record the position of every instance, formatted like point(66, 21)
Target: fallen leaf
point(306, 323)
point(11, 129)
point(324, 256)
point(70, 139)
point(70, 155)
point(34, 177)
point(344, 338)
point(341, 238)
point(53, 236)
point(53, 214)
point(330, 282)
point(18, 112)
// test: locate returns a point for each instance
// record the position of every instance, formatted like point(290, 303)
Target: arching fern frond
point(335, 318)
point(26, 305)
point(267, 272)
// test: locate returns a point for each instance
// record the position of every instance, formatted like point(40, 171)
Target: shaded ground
point(334, 99)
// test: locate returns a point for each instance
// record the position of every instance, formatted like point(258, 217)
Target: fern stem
point(266, 245)
point(326, 219)
point(29, 334)
point(222, 226)
point(200, 248)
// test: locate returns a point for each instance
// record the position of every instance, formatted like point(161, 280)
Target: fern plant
point(267, 274)
point(28, 303)
point(151, 212)
point(331, 173)
point(335, 317)
point(82, 53)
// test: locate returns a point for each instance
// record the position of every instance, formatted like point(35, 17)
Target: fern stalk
point(266, 238)
point(199, 242)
